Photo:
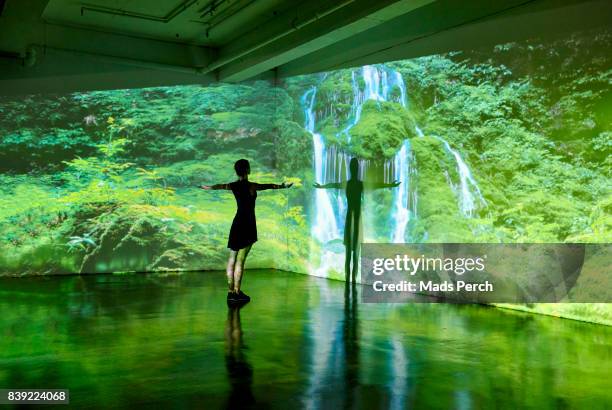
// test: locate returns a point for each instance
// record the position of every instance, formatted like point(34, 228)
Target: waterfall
point(378, 84)
point(325, 225)
point(405, 201)
point(358, 100)
point(332, 165)
point(468, 192)
point(371, 77)
point(397, 78)
point(401, 214)
point(419, 131)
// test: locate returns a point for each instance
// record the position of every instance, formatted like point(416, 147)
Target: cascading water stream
point(325, 227)
point(405, 201)
point(419, 131)
point(401, 214)
point(468, 192)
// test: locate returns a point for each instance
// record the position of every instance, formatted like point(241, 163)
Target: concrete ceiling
point(68, 45)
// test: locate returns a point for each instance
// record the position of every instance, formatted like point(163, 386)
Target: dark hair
point(242, 167)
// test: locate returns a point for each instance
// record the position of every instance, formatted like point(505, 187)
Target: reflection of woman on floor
point(352, 228)
point(243, 233)
point(239, 371)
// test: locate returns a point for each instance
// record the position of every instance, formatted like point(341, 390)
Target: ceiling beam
point(58, 71)
point(132, 49)
point(436, 17)
point(317, 24)
point(319, 35)
point(432, 29)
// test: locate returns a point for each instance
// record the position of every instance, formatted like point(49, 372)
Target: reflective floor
point(303, 342)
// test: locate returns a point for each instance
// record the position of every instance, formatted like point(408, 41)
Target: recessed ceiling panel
point(202, 22)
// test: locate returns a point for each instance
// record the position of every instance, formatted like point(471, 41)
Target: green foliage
point(537, 136)
point(163, 124)
point(381, 130)
point(291, 139)
point(104, 213)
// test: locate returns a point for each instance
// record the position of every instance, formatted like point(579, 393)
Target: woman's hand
point(286, 185)
point(205, 187)
point(317, 185)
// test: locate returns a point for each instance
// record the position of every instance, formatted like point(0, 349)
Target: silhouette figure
point(354, 193)
point(243, 233)
point(239, 370)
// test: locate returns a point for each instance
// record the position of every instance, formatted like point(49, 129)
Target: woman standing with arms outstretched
point(243, 233)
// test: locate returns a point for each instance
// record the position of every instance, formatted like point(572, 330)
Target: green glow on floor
point(169, 341)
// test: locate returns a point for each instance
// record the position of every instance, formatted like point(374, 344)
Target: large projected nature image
point(108, 181)
point(505, 144)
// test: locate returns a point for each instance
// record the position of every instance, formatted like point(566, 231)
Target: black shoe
point(231, 298)
point(242, 297)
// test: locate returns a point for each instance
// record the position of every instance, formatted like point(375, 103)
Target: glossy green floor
point(170, 341)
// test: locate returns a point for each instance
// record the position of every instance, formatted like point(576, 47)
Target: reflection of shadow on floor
point(356, 393)
point(239, 370)
point(350, 338)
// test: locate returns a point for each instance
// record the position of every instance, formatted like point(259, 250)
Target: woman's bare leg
point(239, 267)
point(231, 262)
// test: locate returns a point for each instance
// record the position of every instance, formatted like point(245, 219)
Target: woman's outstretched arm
point(216, 186)
point(331, 185)
point(263, 187)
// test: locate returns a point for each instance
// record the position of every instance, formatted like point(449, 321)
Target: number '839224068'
point(8, 396)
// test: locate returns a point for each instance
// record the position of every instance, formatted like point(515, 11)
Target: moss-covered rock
point(382, 128)
point(335, 95)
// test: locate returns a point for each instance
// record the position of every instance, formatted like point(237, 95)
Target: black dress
point(244, 228)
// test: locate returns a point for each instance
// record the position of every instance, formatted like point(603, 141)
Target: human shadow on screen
point(239, 370)
point(354, 189)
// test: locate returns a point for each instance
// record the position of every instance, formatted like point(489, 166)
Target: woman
point(243, 233)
